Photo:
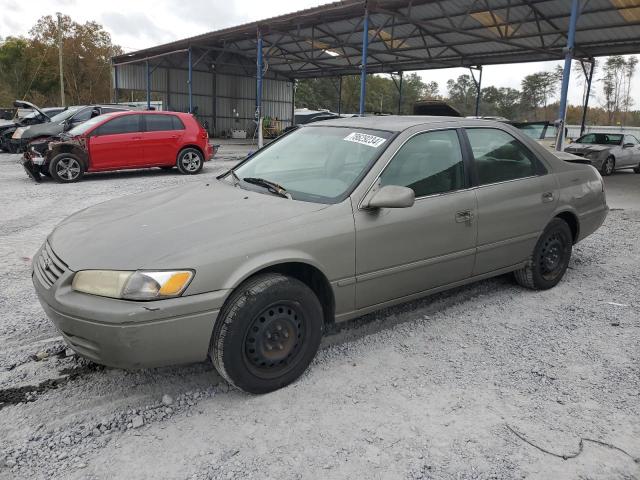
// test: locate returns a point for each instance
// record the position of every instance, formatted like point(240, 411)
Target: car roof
point(398, 123)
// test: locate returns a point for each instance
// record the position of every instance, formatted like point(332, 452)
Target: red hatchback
point(123, 140)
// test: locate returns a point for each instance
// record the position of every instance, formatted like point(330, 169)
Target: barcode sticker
point(365, 139)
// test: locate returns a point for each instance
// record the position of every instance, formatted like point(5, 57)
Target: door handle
point(547, 197)
point(136, 138)
point(464, 216)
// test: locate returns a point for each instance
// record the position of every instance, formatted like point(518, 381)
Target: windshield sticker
point(365, 139)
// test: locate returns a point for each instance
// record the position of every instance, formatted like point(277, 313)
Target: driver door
point(116, 143)
point(404, 251)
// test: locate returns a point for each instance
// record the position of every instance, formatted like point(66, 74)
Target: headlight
point(139, 285)
point(592, 154)
point(18, 133)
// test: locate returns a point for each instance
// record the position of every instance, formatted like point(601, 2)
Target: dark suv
point(60, 123)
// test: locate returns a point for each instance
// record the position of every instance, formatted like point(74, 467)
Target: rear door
point(404, 251)
point(116, 144)
point(516, 198)
point(162, 138)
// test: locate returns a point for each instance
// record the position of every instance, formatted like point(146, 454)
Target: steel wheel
point(552, 256)
point(274, 340)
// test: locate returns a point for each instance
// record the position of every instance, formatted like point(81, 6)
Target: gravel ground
point(485, 381)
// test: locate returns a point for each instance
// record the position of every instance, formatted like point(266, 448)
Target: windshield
point(317, 164)
point(88, 125)
point(601, 139)
point(62, 116)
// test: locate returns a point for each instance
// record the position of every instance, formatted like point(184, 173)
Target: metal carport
point(386, 36)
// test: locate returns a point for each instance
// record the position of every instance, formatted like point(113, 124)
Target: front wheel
point(608, 166)
point(267, 333)
point(66, 168)
point(190, 161)
point(550, 257)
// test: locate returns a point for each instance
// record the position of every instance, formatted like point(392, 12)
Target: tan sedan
point(330, 221)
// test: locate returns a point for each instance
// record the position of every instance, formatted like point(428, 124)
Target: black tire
point(550, 259)
point(190, 161)
point(608, 166)
point(66, 168)
point(267, 333)
point(636, 169)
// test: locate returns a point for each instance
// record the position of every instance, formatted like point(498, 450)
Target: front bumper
point(126, 334)
point(32, 164)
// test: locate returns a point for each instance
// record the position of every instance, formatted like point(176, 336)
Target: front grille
point(48, 267)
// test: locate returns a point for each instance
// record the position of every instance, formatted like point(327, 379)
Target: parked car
point(62, 122)
point(608, 152)
point(326, 223)
point(35, 117)
point(124, 140)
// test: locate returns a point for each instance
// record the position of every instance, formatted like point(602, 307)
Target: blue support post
point(568, 56)
point(148, 86)
point(363, 67)
point(116, 93)
point(259, 77)
point(190, 82)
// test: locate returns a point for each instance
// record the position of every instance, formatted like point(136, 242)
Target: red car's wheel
point(66, 168)
point(190, 161)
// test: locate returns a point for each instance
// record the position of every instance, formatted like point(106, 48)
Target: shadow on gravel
point(29, 393)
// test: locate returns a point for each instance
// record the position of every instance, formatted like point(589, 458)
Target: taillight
point(204, 134)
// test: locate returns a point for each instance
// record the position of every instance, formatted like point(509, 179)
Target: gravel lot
point(485, 381)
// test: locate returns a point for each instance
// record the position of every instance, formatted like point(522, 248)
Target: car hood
point(586, 148)
point(48, 129)
point(169, 228)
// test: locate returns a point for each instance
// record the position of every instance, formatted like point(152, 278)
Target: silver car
point(608, 152)
point(329, 222)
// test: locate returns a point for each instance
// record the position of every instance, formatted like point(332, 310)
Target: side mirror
point(392, 196)
point(628, 145)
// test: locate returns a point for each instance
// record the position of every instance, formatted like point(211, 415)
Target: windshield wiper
point(270, 186)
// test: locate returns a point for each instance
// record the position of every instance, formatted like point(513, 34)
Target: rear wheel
point(66, 168)
point(550, 259)
point(267, 333)
point(190, 161)
point(608, 166)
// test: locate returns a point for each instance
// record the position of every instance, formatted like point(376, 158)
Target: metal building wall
point(233, 105)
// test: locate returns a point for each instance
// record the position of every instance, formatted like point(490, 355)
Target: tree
point(539, 88)
point(613, 85)
point(29, 65)
point(629, 71)
point(462, 94)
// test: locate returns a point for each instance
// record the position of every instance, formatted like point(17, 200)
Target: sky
point(144, 23)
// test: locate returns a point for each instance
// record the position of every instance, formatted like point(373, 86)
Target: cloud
point(135, 24)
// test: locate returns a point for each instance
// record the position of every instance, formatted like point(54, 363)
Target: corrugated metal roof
point(416, 35)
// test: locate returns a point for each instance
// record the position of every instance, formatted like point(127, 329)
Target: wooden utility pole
point(62, 104)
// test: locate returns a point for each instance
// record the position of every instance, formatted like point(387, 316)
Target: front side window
point(123, 124)
point(158, 123)
point(428, 163)
point(499, 157)
point(317, 163)
point(601, 139)
point(82, 116)
point(630, 139)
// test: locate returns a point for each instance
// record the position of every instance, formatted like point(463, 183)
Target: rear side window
point(428, 163)
point(158, 123)
point(124, 124)
point(499, 157)
point(177, 123)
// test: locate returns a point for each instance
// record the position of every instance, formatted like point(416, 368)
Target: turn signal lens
point(175, 284)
